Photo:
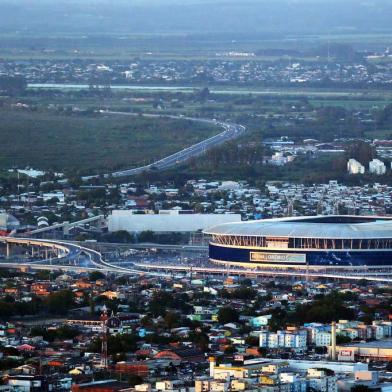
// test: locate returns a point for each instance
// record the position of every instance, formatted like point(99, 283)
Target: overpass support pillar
point(8, 251)
point(66, 228)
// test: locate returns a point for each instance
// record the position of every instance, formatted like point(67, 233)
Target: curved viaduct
point(65, 254)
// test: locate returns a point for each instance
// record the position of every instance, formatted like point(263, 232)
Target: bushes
point(89, 143)
point(227, 315)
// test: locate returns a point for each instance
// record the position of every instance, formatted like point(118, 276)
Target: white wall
point(125, 220)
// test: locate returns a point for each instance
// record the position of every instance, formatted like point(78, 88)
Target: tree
point(360, 388)
point(6, 309)
point(227, 315)
point(384, 117)
point(363, 282)
point(361, 151)
point(342, 339)
point(9, 363)
point(163, 300)
point(91, 304)
point(320, 350)
point(159, 303)
point(134, 379)
point(121, 236)
point(146, 322)
point(230, 350)
point(245, 293)
point(61, 333)
point(13, 84)
point(252, 341)
point(117, 344)
point(203, 94)
point(147, 236)
point(246, 282)
point(324, 310)
point(171, 319)
point(60, 302)
point(201, 340)
point(96, 275)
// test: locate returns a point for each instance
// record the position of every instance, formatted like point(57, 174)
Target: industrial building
point(378, 350)
point(166, 221)
point(335, 241)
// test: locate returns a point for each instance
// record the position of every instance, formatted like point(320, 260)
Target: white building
point(212, 385)
point(355, 167)
point(283, 339)
point(322, 339)
point(321, 380)
point(387, 328)
point(377, 167)
point(54, 195)
point(166, 221)
point(260, 321)
point(352, 333)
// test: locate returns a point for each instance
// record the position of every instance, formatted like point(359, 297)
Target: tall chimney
point(333, 341)
point(212, 366)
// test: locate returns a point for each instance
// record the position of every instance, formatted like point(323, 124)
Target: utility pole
point(320, 206)
point(104, 338)
point(290, 206)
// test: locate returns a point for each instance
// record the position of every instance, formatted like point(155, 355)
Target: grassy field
point(319, 95)
point(93, 143)
point(351, 104)
point(175, 46)
point(380, 134)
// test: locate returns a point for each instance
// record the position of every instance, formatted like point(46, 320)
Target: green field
point(172, 46)
point(380, 134)
point(90, 143)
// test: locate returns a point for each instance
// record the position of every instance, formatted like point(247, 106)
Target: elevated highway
point(66, 227)
point(66, 254)
point(54, 252)
point(230, 131)
point(110, 245)
point(344, 275)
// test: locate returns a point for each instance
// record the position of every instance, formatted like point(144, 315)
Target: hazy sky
point(195, 16)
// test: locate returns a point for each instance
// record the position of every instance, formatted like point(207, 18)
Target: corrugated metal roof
point(310, 227)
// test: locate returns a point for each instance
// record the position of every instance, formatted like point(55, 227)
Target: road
point(147, 245)
point(230, 132)
point(70, 252)
point(299, 274)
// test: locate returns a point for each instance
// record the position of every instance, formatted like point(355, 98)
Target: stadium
point(315, 242)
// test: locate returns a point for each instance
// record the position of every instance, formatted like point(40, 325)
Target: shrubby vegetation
point(12, 85)
point(57, 303)
point(324, 309)
point(88, 142)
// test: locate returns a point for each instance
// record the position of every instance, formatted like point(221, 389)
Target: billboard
point(268, 257)
point(346, 354)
